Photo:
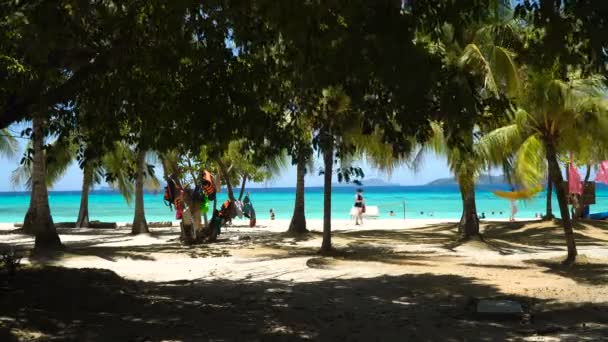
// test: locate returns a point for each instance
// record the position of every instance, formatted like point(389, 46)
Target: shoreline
point(317, 224)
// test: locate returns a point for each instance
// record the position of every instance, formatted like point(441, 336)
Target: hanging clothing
point(238, 207)
point(575, 185)
point(247, 207)
point(179, 208)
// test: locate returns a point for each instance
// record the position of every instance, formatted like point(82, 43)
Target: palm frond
point(475, 60)
point(529, 163)
point(496, 146)
point(119, 162)
point(60, 155)
point(8, 144)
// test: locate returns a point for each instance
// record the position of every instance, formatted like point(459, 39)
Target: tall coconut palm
point(482, 70)
point(553, 116)
point(56, 157)
point(334, 119)
point(38, 219)
point(140, 225)
point(144, 178)
point(304, 161)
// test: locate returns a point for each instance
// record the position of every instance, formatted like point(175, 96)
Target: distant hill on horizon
point(366, 182)
point(483, 180)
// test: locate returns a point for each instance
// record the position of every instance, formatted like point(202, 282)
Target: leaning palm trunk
point(549, 211)
point(298, 220)
point(328, 160)
point(38, 219)
point(557, 179)
point(140, 226)
point(469, 225)
point(83, 213)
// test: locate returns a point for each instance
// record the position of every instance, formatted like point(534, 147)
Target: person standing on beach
point(513, 211)
point(359, 207)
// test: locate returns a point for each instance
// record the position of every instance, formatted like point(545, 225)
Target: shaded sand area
point(388, 281)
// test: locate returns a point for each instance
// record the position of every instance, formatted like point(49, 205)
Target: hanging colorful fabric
point(204, 205)
point(575, 186)
point(602, 174)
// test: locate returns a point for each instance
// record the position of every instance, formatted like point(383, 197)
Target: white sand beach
point(263, 253)
point(412, 262)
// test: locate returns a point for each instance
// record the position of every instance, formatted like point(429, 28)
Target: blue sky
point(434, 167)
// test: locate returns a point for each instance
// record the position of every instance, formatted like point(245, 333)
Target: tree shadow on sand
point(583, 271)
point(58, 304)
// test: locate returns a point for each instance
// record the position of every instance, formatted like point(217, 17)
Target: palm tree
point(240, 163)
point(484, 69)
point(113, 163)
point(335, 118)
point(140, 225)
point(60, 154)
point(297, 225)
point(38, 219)
point(553, 116)
point(144, 178)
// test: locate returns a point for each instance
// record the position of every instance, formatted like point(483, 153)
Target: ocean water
point(413, 202)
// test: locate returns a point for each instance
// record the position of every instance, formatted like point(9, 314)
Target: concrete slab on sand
point(499, 307)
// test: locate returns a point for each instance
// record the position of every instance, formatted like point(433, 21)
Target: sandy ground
point(412, 270)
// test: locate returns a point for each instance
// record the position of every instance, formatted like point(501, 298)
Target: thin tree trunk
point(38, 219)
point(469, 225)
point(226, 180)
point(83, 213)
point(140, 226)
point(549, 211)
point(328, 160)
point(243, 187)
point(195, 210)
point(557, 179)
point(298, 220)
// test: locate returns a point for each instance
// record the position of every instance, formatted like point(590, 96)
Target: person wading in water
point(360, 206)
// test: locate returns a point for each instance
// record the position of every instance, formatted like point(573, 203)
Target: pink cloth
point(575, 186)
point(602, 174)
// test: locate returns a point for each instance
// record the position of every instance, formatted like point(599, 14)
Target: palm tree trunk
point(140, 226)
point(38, 219)
point(328, 160)
point(242, 187)
point(562, 200)
point(298, 220)
point(83, 213)
point(549, 211)
point(469, 225)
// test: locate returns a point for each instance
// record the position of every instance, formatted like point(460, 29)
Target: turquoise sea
point(420, 202)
